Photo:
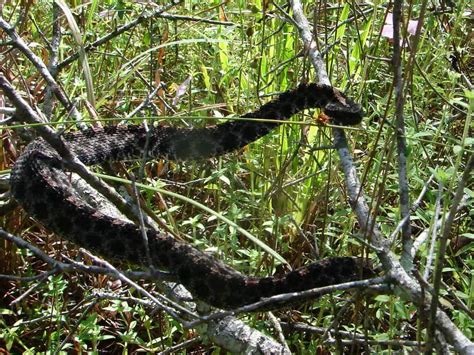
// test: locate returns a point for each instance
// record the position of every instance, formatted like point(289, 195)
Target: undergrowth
point(283, 189)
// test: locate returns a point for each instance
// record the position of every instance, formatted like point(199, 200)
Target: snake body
point(40, 184)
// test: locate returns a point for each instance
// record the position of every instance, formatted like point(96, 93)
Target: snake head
point(344, 110)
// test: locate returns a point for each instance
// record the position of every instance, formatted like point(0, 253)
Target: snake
point(41, 184)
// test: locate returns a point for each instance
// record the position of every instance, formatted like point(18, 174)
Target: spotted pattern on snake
point(40, 184)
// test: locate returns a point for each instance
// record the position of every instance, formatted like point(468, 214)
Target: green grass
point(278, 189)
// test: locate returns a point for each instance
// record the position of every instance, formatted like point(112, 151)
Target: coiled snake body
point(41, 186)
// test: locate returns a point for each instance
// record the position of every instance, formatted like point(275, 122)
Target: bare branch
point(18, 42)
point(73, 266)
point(48, 103)
point(181, 346)
point(309, 42)
point(159, 12)
point(403, 187)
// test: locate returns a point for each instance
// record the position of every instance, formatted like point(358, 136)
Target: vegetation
point(217, 60)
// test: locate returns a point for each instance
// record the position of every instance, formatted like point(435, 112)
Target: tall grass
point(282, 189)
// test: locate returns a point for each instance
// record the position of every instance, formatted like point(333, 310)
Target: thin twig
point(444, 242)
point(73, 330)
point(7, 111)
point(141, 222)
point(159, 12)
point(288, 298)
point(403, 187)
point(281, 337)
point(74, 266)
point(48, 103)
point(119, 275)
point(413, 208)
point(351, 336)
point(37, 284)
point(434, 233)
point(181, 346)
point(437, 225)
point(18, 42)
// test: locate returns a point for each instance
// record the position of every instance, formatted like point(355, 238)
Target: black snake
point(41, 186)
